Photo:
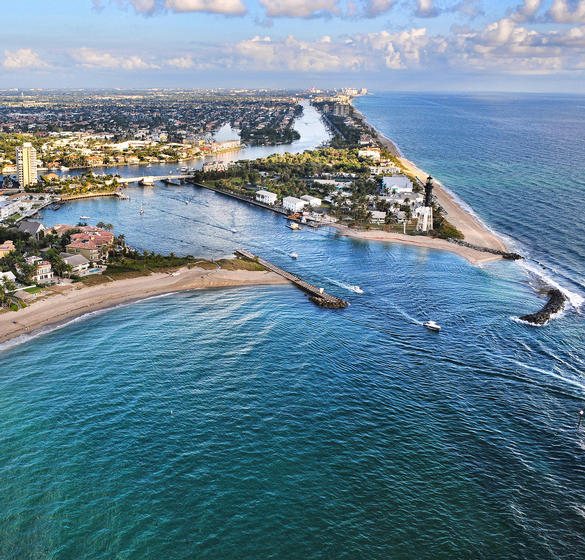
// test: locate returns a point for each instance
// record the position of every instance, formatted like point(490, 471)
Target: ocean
point(248, 423)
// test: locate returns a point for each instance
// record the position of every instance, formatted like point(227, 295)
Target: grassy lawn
point(34, 290)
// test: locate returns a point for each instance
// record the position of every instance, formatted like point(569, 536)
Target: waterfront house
point(43, 270)
point(86, 247)
point(266, 197)
point(293, 204)
point(311, 200)
point(6, 247)
point(397, 184)
point(32, 228)
point(79, 264)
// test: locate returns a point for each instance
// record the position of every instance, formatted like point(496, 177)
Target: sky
point(384, 45)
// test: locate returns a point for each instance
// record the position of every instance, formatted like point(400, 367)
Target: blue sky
point(458, 45)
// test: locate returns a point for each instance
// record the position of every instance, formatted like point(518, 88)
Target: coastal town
point(356, 184)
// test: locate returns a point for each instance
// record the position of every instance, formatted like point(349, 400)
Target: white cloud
point(227, 7)
point(374, 8)
point(23, 58)
point(300, 8)
point(526, 11)
point(426, 8)
point(93, 58)
point(562, 12)
point(182, 62)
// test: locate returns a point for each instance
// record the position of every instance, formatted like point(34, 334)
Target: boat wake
point(348, 287)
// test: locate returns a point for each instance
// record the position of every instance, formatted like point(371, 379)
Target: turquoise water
point(296, 431)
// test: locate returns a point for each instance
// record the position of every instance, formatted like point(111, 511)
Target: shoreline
point(60, 308)
point(474, 231)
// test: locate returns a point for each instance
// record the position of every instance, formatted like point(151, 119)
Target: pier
point(116, 194)
point(316, 295)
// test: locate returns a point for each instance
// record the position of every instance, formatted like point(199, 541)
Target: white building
point(372, 153)
point(384, 170)
point(311, 200)
point(378, 217)
point(293, 204)
point(397, 184)
point(8, 207)
point(266, 197)
point(8, 276)
point(26, 165)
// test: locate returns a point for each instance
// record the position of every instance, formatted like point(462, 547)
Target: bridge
point(150, 179)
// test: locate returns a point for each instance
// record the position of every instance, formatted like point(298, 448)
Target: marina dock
point(316, 295)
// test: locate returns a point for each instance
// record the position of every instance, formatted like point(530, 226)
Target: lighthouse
point(428, 191)
point(425, 217)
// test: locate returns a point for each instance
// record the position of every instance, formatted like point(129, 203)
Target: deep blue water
point(298, 432)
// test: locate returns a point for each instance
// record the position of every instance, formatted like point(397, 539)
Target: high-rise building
point(26, 165)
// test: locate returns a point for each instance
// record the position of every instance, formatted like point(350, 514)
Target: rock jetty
point(556, 302)
point(503, 254)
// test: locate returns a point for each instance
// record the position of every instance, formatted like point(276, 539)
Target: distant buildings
point(216, 166)
point(26, 165)
point(266, 197)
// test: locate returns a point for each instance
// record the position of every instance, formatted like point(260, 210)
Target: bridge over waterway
point(149, 179)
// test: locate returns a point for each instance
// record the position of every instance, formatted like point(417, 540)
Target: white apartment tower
point(26, 165)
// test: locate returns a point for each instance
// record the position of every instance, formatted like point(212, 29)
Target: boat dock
point(316, 295)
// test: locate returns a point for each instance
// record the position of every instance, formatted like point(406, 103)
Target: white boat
point(184, 169)
point(432, 326)
point(294, 226)
point(141, 209)
point(84, 218)
point(293, 256)
point(358, 290)
point(63, 168)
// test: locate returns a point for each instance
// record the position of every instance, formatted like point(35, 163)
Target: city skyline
point(431, 45)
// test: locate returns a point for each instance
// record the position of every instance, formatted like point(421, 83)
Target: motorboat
point(84, 218)
point(141, 209)
point(294, 226)
point(293, 256)
point(358, 290)
point(432, 326)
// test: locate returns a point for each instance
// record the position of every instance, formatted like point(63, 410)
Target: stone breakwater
point(504, 254)
point(555, 303)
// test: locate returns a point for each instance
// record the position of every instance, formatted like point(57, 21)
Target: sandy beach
point(473, 231)
point(80, 299)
